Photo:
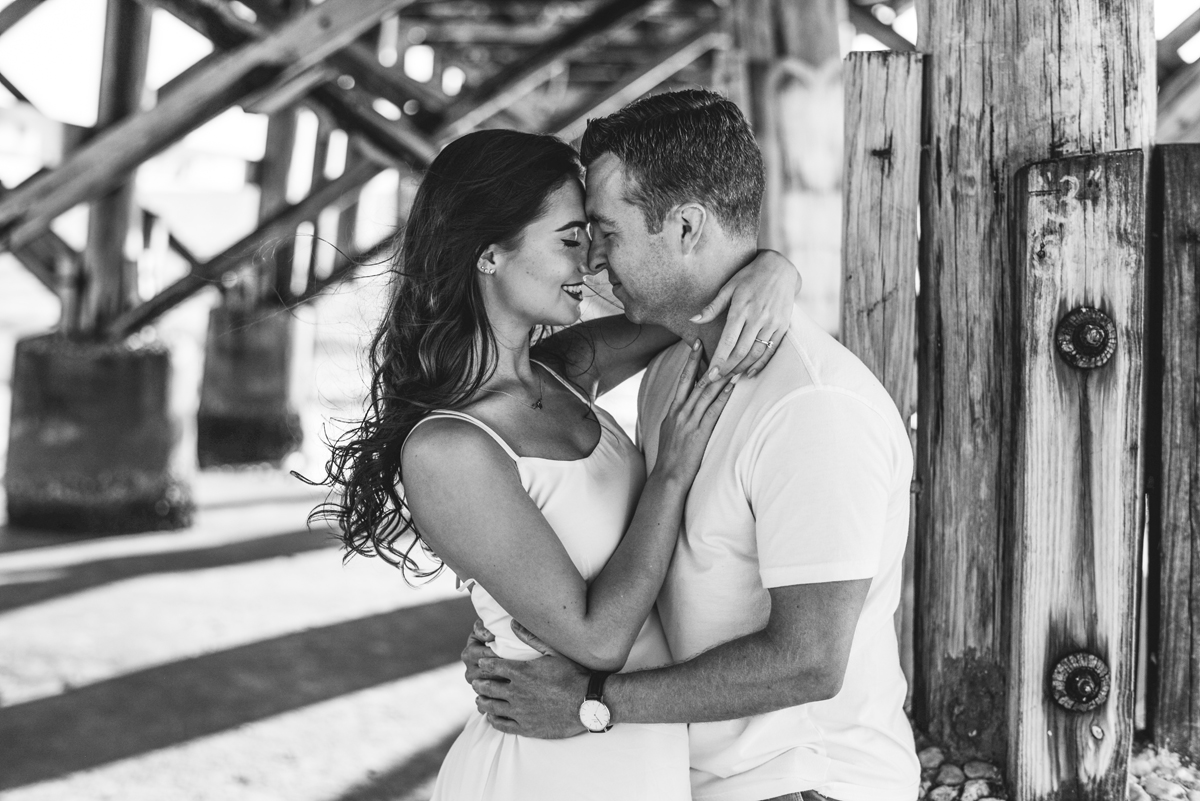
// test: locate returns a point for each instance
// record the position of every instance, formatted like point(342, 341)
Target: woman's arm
point(468, 503)
point(599, 354)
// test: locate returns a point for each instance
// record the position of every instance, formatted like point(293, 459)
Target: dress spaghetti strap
point(573, 389)
point(446, 413)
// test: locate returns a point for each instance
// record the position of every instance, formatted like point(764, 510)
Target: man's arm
point(799, 657)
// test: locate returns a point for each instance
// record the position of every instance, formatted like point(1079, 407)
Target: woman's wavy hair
point(434, 348)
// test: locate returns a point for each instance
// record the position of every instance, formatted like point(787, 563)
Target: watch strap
point(595, 689)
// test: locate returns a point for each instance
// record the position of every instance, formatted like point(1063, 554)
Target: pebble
point(944, 794)
point(1185, 775)
point(1141, 765)
point(974, 790)
point(951, 774)
point(977, 769)
point(931, 757)
point(1162, 789)
point(1193, 795)
point(1136, 793)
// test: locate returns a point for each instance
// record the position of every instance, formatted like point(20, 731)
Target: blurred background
point(198, 203)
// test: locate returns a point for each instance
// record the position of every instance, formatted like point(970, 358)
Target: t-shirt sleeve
point(820, 478)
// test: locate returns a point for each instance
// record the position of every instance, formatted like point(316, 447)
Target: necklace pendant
point(537, 404)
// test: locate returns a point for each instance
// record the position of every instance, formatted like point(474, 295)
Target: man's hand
point(539, 698)
point(477, 649)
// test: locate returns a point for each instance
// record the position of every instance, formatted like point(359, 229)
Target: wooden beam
point(16, 11)
point(638, 82)
point(880, 190)
point(1173, 586)
point(512, 82)
point(993, 107)
point(864, 22)
point(398, 139)
point(1169, 60)
point(103, 162)
point(1179, 106)
point(13, 90)
point(280, 227)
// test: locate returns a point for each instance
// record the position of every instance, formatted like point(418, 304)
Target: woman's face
point(540, 281)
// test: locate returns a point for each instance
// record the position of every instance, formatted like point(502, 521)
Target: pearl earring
point(487, 270)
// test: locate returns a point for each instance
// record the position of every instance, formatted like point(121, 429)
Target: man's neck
point(718, 275)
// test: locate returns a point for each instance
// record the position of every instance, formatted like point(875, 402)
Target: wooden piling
point(794, 67)
point(111, 287)
point(1173, 586)
point(879, 253)
point(1009, 83)
point(1078, 504)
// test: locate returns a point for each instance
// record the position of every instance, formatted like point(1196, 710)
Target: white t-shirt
point(806, 480)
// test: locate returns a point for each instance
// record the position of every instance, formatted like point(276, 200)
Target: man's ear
point(692, 219)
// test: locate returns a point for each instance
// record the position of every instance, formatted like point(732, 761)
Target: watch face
point(594, 715)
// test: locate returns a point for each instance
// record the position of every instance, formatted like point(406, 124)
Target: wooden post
point(1173, 696)
point(1009, 83)
point(272, 199)
point(879, 257)
point(111, 286)
point(1078, 501)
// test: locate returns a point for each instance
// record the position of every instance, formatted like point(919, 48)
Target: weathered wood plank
point(1078, 490)
point(1179, 106)
point(1173, 703)
point(1009, 84)
point(100, 164)
point(638, 82)
point(881, 186)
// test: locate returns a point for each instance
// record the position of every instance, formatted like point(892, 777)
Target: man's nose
point(596, 261)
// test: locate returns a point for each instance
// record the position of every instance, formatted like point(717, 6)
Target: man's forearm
point(747, 676)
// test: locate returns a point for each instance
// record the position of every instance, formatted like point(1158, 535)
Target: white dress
point(589, 503)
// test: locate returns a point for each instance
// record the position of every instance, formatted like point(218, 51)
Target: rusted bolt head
point(1080, 682)
point(1086, 338)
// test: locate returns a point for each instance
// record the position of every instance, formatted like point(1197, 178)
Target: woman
point(533, 496)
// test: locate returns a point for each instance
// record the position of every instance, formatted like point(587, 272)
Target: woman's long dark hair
point(434, 348)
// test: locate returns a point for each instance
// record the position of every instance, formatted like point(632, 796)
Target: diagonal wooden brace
point(101, 164)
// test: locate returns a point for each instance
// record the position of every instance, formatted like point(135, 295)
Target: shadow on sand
point(162, 706)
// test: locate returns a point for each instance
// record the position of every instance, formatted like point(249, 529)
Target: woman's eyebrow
point(572, 224)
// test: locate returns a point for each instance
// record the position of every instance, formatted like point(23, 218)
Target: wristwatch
point(592, 712)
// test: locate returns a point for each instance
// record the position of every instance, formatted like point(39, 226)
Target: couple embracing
point(706, 614)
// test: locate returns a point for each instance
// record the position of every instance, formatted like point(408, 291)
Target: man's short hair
point(692, 145)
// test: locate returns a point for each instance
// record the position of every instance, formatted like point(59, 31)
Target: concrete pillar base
point(91, 439)
point(245, 413)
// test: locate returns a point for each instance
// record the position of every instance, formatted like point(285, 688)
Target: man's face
point(640, 264)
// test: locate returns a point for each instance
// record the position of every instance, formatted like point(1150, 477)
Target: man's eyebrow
point(600, 218)
point(570, 225)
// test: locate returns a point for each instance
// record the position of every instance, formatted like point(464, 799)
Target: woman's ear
point(692, 219)
point(487, 262)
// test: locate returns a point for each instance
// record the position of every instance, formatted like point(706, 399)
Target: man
point(779, 600)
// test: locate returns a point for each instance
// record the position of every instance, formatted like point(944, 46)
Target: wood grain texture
point(1174, 583)
point(1078, 495)
point(881, 189)
point(99, 165)
point(1009, 83)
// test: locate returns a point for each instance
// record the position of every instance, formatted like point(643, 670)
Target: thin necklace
point(537, 404)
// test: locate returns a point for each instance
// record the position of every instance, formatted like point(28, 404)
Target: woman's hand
point(690, 419)
point(759, 297)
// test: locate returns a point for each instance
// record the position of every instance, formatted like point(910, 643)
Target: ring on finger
point(766, 342)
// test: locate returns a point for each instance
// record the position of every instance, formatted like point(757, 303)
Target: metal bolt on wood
point(1080, 682)
point(1086, 338)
